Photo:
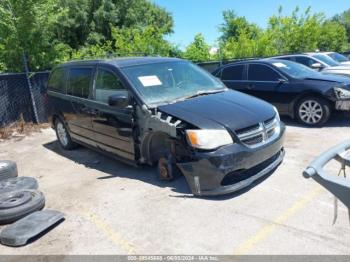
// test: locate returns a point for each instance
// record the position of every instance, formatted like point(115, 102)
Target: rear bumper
point(232, 168)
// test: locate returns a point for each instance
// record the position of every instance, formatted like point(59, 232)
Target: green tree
point(332, 37)
point(84, 22)
point(297, 32)
point(136, 41)
point(198, 50)
point(51, 31)
point(234, 26)
point(305, 32)
point(344, 19)
point(24, 29)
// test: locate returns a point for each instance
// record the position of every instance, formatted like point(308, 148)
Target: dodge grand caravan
point(170, 113)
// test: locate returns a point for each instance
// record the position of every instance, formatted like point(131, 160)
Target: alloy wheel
point(311, 112)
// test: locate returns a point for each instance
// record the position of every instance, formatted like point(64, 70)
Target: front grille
point(254, 140)
point(247, 130)
point(240, 175)
point(257, 135)
point(270, 133)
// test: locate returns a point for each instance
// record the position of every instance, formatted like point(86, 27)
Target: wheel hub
point(310, 111)
point(164, 169)
point(14, 199)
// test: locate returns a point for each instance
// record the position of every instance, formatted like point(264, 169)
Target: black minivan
point(166, 112)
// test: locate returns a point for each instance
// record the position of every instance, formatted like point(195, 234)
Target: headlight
point(208, 139)
point(342, 93)
point(277, 114)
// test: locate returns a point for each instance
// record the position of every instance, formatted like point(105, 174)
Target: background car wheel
point(8, 169)
point(17, 204)
point(63, 136)
point(18, 183)
point(313, 111)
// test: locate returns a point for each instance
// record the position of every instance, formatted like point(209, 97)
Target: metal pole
point(25, 62)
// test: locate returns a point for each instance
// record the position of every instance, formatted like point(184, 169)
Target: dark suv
point(167, 112)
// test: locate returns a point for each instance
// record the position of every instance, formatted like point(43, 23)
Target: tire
point(8, 169)
point(17, 204)
point(63, 135)
point(312, 111)
point(18, 183)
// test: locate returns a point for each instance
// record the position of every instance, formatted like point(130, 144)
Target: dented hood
point(229, 109)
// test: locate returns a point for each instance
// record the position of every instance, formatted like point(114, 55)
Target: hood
point(340, 67)
point(230, 109)
point(347, 63)
point(330, 78)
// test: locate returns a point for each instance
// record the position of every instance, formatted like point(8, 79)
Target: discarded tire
point(17, 204)
point(18, 183)
point(8, 169)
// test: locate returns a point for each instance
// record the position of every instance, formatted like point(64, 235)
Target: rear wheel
point(313, 111)
point(63, 135)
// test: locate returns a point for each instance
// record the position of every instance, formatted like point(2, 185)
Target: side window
point(79, 82)
point(233, 73)
point(107, 84)
point(57, 81)
point(304, 60)
point(262, 73)
point(218, 74)
point(286, 58)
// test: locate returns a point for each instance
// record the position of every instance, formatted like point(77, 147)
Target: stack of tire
point(19, 196)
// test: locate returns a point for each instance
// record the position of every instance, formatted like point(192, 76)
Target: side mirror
point(118, 100)
point(317, 66)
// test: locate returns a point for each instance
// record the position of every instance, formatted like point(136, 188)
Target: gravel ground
point(112, 208)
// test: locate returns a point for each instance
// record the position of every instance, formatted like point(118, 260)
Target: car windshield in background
point(338, 57)
point(295, 70)
point(161, 83)
point(326, 59)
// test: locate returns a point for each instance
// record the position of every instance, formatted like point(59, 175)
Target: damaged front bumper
point(342, 105)
point(231, 168)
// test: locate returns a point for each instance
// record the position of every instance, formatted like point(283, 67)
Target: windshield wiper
point(204, 92)
point(199, 93)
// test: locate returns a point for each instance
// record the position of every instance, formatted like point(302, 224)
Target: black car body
point(288, 85)
point(221, 140)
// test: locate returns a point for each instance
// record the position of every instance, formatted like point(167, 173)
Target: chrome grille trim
point(266, 132)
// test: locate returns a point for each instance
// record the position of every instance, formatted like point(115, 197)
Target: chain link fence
point(23, 96)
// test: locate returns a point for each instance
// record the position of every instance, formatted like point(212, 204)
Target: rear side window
point(262, 73)
point(79, 82)
point(304, 60)
point(233, 73)
point(107, 84)
point(57, 81)
point(289, 58)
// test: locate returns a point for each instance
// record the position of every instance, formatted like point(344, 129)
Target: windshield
point(166, 82)
point(338, 57)
point(326, 59)
point(295, 70)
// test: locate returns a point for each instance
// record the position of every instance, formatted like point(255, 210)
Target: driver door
point(266, 83)
point(112, 126)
